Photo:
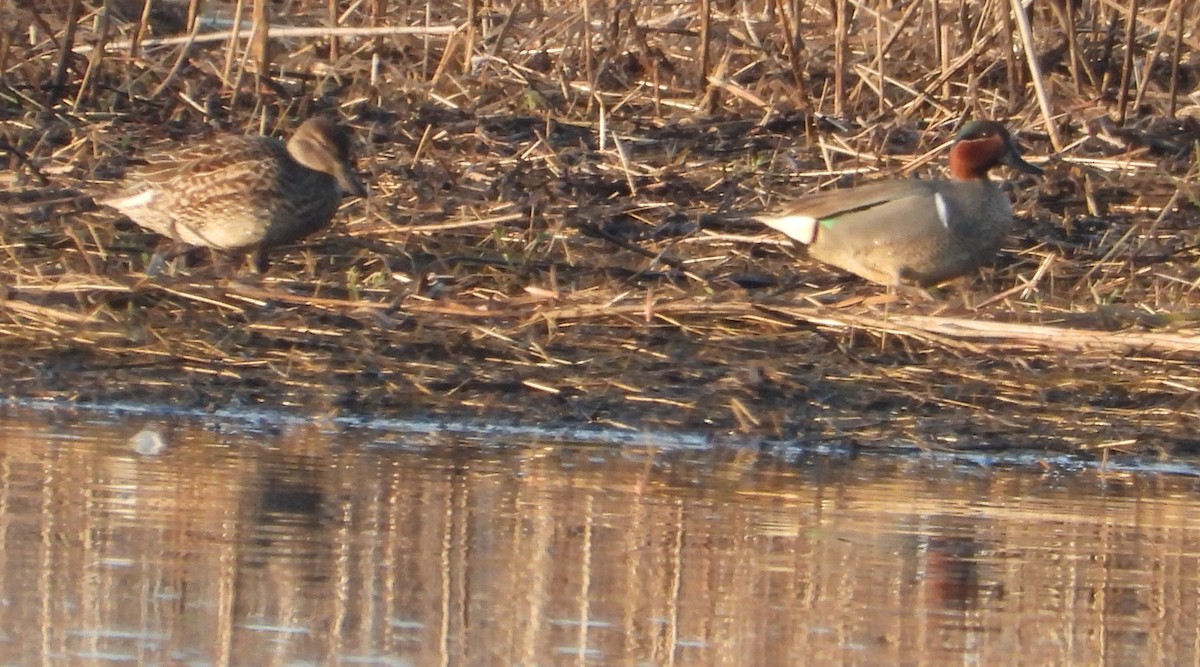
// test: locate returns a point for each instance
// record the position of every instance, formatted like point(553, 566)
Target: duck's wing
point(872, 204)
point(179, 192)
point(222, 159)
point(917, 216)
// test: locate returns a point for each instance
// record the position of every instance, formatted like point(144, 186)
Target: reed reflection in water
point(257, 547)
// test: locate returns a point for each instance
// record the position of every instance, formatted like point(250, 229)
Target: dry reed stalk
point(1176, 53)
point(941, 44)
point(6, 45)
point(262, 296)
point(1146, 19)
point(979, 43)
point(589, 65)
point(333, 20)
point(841, 52)
point(1064, 12)
point(169, 80)
point(278, 32)
point(790, 26)
point(59, 81)
point(193, 15)
point(1127, 64)
point(1176, 199)
point(1012, 70)
point(880, 103)
point(231, 50)
point(705, 45)
point(55, 315)
point(946, 56)
point(261, 40)
point(481, 222)
point(472, 33)
point(980, 335)
point(739, 92)
point(140, 30)
point(1035, 72)
point(468, 53)
point(898, 31)
point(1152, 58)
point(917, 95)
point(506, 25)
point(96, 60)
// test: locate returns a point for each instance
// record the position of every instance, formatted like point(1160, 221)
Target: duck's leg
point(165, 255)
point(913, 285)
point(157, 266)
point(261, 261)
point(228, 263)
point(915, 292)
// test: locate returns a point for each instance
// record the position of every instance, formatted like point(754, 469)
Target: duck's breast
point(309, 200)
point(981, 216)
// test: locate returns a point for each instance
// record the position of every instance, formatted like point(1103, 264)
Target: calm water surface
point(320, 545)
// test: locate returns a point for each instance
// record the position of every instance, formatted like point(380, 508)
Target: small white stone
point(149, 441)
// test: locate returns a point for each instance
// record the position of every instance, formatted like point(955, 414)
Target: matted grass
point(557, 229)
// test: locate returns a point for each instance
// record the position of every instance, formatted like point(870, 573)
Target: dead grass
point(557, 228)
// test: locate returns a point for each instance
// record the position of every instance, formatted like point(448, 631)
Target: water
point(314, 544)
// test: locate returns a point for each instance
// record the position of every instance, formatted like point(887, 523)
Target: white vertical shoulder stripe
point(943, 211)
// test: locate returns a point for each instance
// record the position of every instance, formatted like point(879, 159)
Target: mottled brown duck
point(239, 195)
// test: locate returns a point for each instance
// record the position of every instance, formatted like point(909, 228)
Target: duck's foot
point(158, 266)
point(164, 260)
point(915, 293)
point(228, 264)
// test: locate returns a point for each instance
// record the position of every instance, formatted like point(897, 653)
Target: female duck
point(244, 194)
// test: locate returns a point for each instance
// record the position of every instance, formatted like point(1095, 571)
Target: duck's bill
point(1015, 161)
point(349, 183)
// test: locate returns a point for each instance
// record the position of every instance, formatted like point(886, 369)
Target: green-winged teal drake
point(913, 232)
point(244, 194)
